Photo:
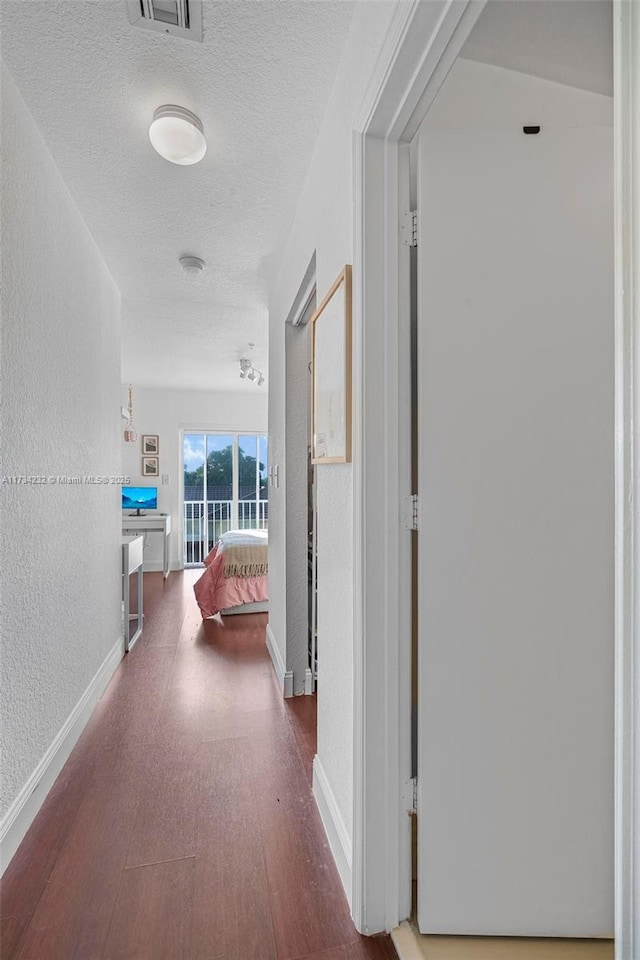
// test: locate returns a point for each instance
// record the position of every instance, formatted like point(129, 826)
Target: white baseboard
point(334, 827)
point(284, 676)
point(407, 942)
point(24, 808)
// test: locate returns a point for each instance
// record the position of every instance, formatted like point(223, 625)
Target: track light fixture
point(249, 372)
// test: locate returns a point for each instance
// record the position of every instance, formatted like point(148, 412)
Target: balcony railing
point(206, 521)
point(253, 514)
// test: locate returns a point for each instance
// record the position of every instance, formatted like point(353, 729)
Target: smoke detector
point(192, 266)
point(176, 18)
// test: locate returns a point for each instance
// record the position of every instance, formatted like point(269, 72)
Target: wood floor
point(183, 826)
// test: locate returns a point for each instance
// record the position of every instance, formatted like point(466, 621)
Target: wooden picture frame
point(331, 365)
point(150, 467)
point(150, 445)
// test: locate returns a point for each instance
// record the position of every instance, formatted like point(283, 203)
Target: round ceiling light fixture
point(192, 266)
point(177, 135)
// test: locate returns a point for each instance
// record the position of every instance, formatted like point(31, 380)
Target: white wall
point(165, 412)
point(516, 413)
point(60, 545)
point(324, 224)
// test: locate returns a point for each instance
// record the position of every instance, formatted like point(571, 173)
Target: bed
point(235, 579)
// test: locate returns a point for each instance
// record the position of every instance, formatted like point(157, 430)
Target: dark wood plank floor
point(183, 826)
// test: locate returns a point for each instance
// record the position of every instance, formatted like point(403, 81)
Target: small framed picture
point(150, 445)
point(150, 467)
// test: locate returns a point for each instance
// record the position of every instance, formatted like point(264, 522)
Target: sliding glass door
point(225, 488)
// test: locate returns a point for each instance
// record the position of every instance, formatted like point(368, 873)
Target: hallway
point(182, 826)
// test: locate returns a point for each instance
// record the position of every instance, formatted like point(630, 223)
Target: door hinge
point(411, 512)
point(410, 796)
point(409, 228)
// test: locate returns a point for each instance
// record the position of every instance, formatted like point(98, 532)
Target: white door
point(515, 728)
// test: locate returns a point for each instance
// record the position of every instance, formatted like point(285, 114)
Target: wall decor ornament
point(331, 352)
point(150, 445)
point(150, 467)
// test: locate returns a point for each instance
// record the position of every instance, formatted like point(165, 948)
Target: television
point(139, 499)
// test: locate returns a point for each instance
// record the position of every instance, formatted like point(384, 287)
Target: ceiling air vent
point(178, 18)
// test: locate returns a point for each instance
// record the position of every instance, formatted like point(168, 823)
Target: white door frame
point(627, 525)
point(422, 44)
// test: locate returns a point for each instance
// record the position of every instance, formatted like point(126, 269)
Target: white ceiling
point(568, 41)
point(259, 82)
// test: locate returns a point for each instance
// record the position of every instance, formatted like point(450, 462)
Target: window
point(225, 488)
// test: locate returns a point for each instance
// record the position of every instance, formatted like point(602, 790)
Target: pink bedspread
point(215, 592)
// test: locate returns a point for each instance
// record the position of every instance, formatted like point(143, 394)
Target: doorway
point(301, 562)
point(515, 451)
point(382, 159)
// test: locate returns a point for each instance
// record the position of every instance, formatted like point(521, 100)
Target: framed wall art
point(150, 467)
point(150, 445)
point(331, 364)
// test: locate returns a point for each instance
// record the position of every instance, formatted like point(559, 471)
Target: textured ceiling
point(568, 41)
point(259, 82)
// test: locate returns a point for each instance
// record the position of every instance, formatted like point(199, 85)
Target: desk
point(131, 563)
point(151, 523)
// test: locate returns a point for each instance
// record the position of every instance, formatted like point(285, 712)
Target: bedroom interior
point(214, 740)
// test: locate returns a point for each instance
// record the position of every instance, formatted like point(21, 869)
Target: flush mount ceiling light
point(192, 266)
point(177, 135)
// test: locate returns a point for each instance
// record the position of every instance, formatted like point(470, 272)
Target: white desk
point(151, 523)
point(131, 563)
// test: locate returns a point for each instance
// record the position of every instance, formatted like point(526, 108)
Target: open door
point(516, 456)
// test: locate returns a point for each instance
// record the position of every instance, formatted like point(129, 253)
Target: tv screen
point(139, 498)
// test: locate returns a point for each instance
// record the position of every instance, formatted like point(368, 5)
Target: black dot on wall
point(531, 130)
